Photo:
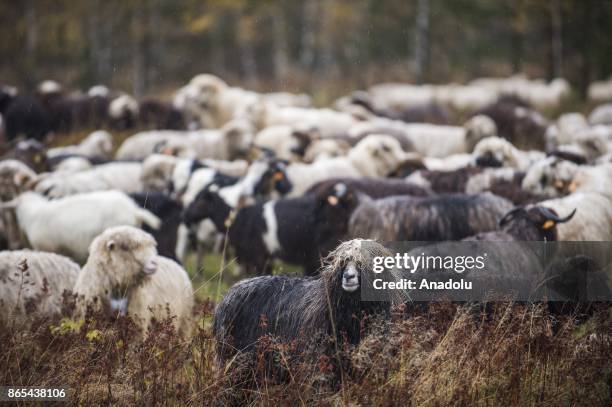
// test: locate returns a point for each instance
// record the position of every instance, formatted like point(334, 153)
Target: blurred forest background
point(329, 46)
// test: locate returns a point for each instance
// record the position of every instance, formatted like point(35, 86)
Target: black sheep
point(301, 309)
point(26, 117)
point(169, 211)
point(517, 122)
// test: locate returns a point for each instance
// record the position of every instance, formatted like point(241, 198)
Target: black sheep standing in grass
point(300, 309)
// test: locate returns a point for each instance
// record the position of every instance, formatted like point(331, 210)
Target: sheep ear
point(332, 200)
point(110, 245)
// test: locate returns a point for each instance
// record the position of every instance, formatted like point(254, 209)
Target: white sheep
point(564, 129)
point(593, 219)
point(432, 140)
point(600, 91)
point(375, 156)
point(602, 114)
point(328, 122)
point(124, 176)
point(499, 152)
point(73, 164)
point(286, 141)
point(68, 225)
point(124, 268)
point(33, 283)
point(97, 144)
point(227, 143)
point(321, 149)
point(123, 106)
point(554, 177)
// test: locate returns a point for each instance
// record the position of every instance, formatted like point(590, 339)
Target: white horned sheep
point(68, 225)
point(97, 144)
point(124, 268)
point(375, 156)
point(593, 219)
point(33, 283)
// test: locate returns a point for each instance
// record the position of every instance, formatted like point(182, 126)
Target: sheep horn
point(548, 214)
point(506, 218)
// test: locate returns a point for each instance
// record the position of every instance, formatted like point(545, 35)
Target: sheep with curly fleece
point(124, 271)
point(33, 283)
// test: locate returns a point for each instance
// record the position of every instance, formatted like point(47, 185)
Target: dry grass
point(511, 357)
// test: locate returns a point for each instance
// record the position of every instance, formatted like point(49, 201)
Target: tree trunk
point(518, 32)
point(421, 41)
point(279, 33)
point(308, 35)
point(139, 52)
point(587, 21)
point(557, 40)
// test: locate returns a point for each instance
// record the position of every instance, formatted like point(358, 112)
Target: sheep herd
point(263, 177)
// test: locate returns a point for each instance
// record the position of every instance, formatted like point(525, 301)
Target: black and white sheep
point(169, 211)
point(260, 232)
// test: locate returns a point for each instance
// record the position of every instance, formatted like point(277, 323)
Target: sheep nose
point(350, 273)
point(150, 267)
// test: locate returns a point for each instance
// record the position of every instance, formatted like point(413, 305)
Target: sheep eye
point(386, 148)
point(543, 180)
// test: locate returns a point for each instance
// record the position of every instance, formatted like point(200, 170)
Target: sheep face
point(349, 267)
point(239, 135)
point(207, 204)
point(551, 178)
point(273, 178)
point(101, 141)
point(478, 128)
point(534, 223)
point(128, 252)
point(382, 152)
point(157, 172)
point(494, 152)
point(350, 278)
